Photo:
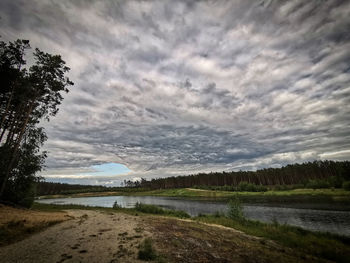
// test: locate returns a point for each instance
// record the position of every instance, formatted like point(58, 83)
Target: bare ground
point(91, 236)
point(97, 236)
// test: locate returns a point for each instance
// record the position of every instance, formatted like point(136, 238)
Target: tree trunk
point(6, 109)
point(15, 150)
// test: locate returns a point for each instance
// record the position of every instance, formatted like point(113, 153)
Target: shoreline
point(117, 235)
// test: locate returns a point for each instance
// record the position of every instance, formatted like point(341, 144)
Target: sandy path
point(92, 236)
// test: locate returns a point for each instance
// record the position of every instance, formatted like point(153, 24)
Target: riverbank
point(337, 197)
point(116, 235)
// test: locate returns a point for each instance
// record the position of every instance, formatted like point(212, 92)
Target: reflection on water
point(312, 219)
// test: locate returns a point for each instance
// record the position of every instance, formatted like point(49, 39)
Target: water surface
point(312, 219)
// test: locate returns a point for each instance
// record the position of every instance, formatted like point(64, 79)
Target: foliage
point(248, 187)
point(318, 174)
point(235, 209)
point(116, 205)
point(152, 209)
point(329, 172)
point(317, 184)
point(346, 185)
point(50, 188)
point(28, 95)
point(241, 187)
point(146, 251)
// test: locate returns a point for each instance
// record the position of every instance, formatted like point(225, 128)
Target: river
point(312, 219)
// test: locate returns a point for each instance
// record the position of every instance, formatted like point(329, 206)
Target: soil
point(100, 236)
point(91, 236)
point(189, 241)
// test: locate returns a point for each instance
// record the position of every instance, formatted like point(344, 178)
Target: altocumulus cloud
point(177, 87)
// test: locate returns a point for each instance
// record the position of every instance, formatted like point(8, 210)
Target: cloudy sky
point(177, 87)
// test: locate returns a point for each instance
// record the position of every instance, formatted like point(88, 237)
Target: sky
point(166, 88)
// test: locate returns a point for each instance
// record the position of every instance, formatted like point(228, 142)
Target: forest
point(317, 174)
point(325, 173)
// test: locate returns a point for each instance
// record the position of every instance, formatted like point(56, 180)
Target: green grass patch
point(146, 251)
point(339, 196)
point(156, 210)
point(323, 245)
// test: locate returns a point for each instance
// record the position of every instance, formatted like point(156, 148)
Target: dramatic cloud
point(177, 87)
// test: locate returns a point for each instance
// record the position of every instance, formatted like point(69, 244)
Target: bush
point(21, 192)
point(235, 209)
point(346, 185)
point(116, 206)
point(147, 252)
point(317, 184)
point(248, 187)
point(335, 181)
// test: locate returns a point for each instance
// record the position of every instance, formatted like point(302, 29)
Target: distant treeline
point(292, 174)
point(317, 174)
point(48, 188)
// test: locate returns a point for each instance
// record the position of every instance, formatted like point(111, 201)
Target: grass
point(13, 231)
point(138, 210)
point(17, 224)
point(323, 245)
point(339, 196)
point(152, 209)
point(146, 251)
point(191, 192)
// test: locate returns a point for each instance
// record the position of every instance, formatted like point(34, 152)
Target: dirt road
point(91, 236)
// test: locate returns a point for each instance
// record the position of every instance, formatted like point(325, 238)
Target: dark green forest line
point(317, 174)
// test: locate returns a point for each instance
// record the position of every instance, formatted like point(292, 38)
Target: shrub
point(116, 206)
point(335, 181)
point(248, 187)
point(317, 184)
point(346, 185)
point(235, 209)
point(152, 209)
point(147, 252)
point(218, 214)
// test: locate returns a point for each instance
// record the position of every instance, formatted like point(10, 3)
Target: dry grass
point(188, 241)
point(16, 223)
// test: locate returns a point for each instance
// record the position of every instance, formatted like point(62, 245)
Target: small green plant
point(219, 214)
point(146, 251)
point(235, 209)
point(116, 205)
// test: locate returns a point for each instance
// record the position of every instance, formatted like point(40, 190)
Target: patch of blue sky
point(109, 169)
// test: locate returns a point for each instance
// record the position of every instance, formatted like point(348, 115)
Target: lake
point(312, 219)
